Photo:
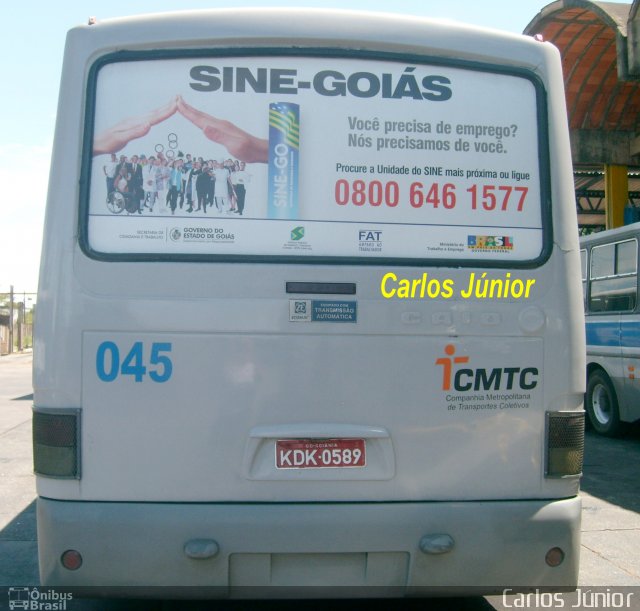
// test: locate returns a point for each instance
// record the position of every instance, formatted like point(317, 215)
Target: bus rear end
point(309, 309)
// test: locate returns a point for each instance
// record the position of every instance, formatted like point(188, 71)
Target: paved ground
point(610, 526)
point(18, 547)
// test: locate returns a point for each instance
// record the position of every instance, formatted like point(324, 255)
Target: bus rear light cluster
point(56, 443)
point(565, 444)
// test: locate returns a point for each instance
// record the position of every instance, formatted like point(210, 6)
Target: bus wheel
point(602, 405)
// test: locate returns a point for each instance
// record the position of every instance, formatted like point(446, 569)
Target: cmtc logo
point(297, 233)
point(498, 378)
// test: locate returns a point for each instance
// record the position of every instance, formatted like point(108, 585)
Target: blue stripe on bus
point(624, 334)
point(603, 333)
point(630, 334)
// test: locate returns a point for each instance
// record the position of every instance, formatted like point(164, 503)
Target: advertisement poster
point(314, 157)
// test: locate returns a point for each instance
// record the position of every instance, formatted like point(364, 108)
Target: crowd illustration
point(162, 184)
point(159, 185)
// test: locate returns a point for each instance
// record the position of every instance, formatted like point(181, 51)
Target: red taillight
point(554, 557)
point(71, 560)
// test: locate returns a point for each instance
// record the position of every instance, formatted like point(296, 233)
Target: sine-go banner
point(315, 157)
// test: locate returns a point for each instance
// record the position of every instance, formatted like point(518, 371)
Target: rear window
point(362, 159)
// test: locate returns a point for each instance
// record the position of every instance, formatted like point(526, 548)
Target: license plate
point(320, 453)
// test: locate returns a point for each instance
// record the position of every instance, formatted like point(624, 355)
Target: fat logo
point(370, 240)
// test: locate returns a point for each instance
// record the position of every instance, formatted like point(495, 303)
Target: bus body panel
point(630, 411)
point(187, 374)
point(193, 439)
point(371, 546)
point(227, 383)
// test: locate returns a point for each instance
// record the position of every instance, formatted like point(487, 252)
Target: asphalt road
point(610, 557)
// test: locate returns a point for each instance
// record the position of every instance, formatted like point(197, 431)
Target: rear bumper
point(373, 548)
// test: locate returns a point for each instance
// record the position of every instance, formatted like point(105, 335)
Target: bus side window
point(613, 277)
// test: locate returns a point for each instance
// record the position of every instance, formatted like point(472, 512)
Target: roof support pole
point(616, 187)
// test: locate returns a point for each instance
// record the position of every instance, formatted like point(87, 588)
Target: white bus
point(610, 289)
point(309, 309)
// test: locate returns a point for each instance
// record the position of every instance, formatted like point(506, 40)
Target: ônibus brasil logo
point(37, 599)
point(465, 379)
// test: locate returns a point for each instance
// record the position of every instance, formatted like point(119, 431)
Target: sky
point(32, 46)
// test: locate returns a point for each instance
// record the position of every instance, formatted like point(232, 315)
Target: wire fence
point(17, 311)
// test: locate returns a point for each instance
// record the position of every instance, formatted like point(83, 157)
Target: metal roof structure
point(600, 47)
point(590, 196)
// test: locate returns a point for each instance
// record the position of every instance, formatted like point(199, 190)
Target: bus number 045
point(109, 366)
